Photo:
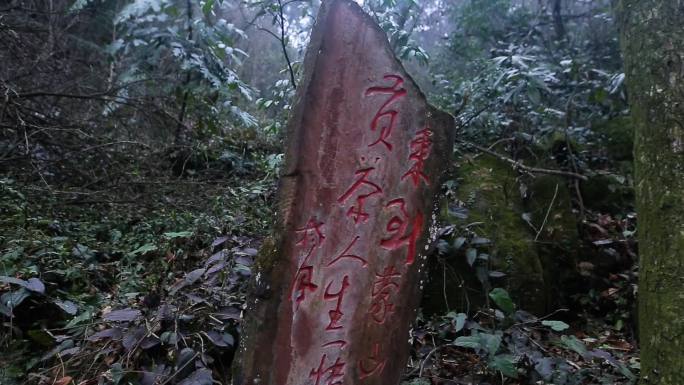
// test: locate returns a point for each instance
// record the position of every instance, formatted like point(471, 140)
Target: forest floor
point(142, 280)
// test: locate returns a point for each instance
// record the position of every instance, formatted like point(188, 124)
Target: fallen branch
point(517, 165)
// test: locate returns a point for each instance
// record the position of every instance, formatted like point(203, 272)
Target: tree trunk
point(653, 46)
point(558, 25)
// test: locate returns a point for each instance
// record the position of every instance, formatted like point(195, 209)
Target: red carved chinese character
point(420, 150)
point(344, 254)
point(303, 282)
point(312, 232)
point(357, 210)
point(340, 343)
point(335, 372)
point(396, 92)
point(336, 314)
point(398, 226)
point(381, 304)
point(376, 365)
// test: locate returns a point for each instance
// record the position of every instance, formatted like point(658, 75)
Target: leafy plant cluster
point(514, 76)
point(538, 90)
point(399, 18)
point(123, 299)
point(506, 345)
point(73, 265)
point(133, 269)
point(198, 45)
point(527, 96)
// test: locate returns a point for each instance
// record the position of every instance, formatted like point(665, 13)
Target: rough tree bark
point(653, 46)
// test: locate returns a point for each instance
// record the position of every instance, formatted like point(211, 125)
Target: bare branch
point(517, 165)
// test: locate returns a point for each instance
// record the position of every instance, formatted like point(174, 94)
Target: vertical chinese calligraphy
point(385, 283)
point(340, 279)
point(385, 113)
point(357, 211)
point(420, 150)
point(311, 237)
point(329, 274)
point(398, 228)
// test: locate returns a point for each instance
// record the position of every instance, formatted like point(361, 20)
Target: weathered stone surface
point(538, 268)
point(338, 285)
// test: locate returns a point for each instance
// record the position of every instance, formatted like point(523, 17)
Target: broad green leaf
point(491, 342)
point(574, 344)
point(85, 317)
point(13, 299)
point(505, 364)
point(178, 234)
point(471, 255)
point(458, 242)
point(41, 337)
point(460, 321)
point(534, 94)
point(144, 249)
point(117, 372)
point(468, 342)
point(502, 300)
point(558, 326)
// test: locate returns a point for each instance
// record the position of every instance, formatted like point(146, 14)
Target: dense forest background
point(140, 145)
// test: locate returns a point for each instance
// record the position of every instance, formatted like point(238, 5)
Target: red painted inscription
point(331, 375)
point(375, 365)
point(381, 303)
point(340, 343)
point(420, 150)
point(385, 114)
point(311, 237)
point(336, 314)
point(398, 228)
point(357, 211)
point(312, 233)
point(346, 254)
point(303, 282)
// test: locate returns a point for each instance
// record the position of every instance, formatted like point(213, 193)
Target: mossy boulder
point(521, 227)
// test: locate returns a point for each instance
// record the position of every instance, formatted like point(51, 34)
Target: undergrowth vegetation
point(135, 279)
point(140, 146)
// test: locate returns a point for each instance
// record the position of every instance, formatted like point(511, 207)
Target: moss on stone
point(492, 195)
point(535, 268)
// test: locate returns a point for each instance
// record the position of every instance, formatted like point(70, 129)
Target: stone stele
point(337, 286)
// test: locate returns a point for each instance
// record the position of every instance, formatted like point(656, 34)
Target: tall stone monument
point(337, 287)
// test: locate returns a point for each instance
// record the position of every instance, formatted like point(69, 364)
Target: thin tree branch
point(283, 45)
point(474, 115)
point(548, 211)
point(517, 165)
